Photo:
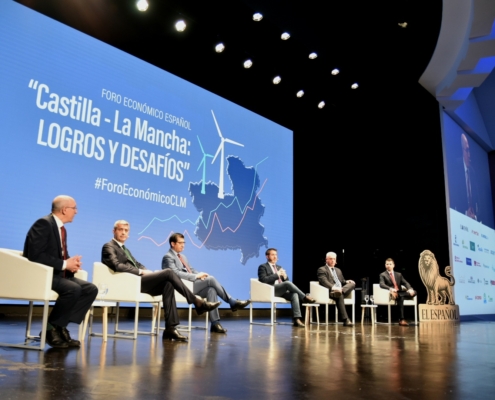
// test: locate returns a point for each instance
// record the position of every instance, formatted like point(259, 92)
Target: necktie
point(184, 263)
point(64, 242)
point(128, 254)
point(275, 271)
point(393, 280)
point(335, 278)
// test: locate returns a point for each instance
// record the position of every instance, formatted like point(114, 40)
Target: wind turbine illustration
point(220, 150)
point(203, 163)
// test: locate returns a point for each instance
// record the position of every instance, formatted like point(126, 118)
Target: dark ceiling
point(362, 39)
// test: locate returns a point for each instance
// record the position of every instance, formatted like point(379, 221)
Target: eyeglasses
point(181, 242)
point(74, 208)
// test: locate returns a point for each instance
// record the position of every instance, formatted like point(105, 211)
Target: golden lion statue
point(438, 287)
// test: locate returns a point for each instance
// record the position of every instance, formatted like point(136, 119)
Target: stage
point(429, 361)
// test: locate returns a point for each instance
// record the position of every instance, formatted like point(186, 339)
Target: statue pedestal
point(447, 312)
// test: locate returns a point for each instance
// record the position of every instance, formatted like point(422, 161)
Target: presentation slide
point(130, 141)
point(471, 221)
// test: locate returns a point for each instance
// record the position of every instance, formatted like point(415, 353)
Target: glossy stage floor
point(429, 361)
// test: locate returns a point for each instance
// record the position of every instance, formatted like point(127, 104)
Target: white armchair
point(381, 297)
point(264, 293)
point(21, 279)
point(125, 288)
point(322, 296)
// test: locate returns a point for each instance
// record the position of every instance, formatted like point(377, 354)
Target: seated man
point(274, 274)
point(332, 278)
point(393, 282)
point(117, 257)
point(204, 284)
point(46, 243)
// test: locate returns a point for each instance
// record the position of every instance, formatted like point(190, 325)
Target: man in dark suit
point(46, 243)
point(332, 278)
point(393, 281)
point(274, 274)
point(204, 285)
point(117, 257)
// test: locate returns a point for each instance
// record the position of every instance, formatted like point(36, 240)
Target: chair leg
point(117, 312)
point(389, 315)
point(251, 313)
point(326, 314)
point(91, 315)
point(353, 314)
point(43, 325)
point(136, 321)
point(30, 317)
point(272, 311)
point(83, 326)
point(336, 315)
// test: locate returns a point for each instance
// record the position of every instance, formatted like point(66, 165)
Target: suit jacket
point(114, 257)
point(266, 274)
point(170, 260)
point(43, 245)
point(386, 281)
point(325, 277)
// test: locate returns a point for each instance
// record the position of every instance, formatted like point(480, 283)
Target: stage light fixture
point(354, 86)
point(277, 80)
point(142, 5)
point(219, 47)
point(285, 36)
point(257, 17)
point(300, 93)
point(248, 64)
point(312, 56)
point(335, 71)
point(180, 26)
point(321, 104)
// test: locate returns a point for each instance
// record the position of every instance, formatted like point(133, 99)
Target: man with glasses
point(332, 278)
point(118, 257)
point(46, 243)
point(204, 285)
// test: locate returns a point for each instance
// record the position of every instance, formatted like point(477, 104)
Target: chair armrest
point(23, 279)
point(381, 296)
point(122, 286)
point(261, 292)
point(321, 294)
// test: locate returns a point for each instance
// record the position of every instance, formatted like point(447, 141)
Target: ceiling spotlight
point(257, 17)
point(312, 56)
point(403, 24)
point(219, 47)
point(248, 64)
point(335, 71)
point(180, 26)
point(354, 86)
point(142, 5)
point(285, 36)
point(277, 80)
point(300, 93)
point(321, 104)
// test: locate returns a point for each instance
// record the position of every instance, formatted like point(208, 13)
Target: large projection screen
point(130, 141)
point(472, 234)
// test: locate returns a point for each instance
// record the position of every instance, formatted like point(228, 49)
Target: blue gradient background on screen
point(256, 212)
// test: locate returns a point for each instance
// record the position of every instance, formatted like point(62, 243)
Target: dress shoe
point(403, 322)
point(308, 299)
point(217, 328)
point(64, 333)
point(173, 334)
point(299, 323)
point(239, 305)
point(203, 306)
point(348, 322)
point(55, 340)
